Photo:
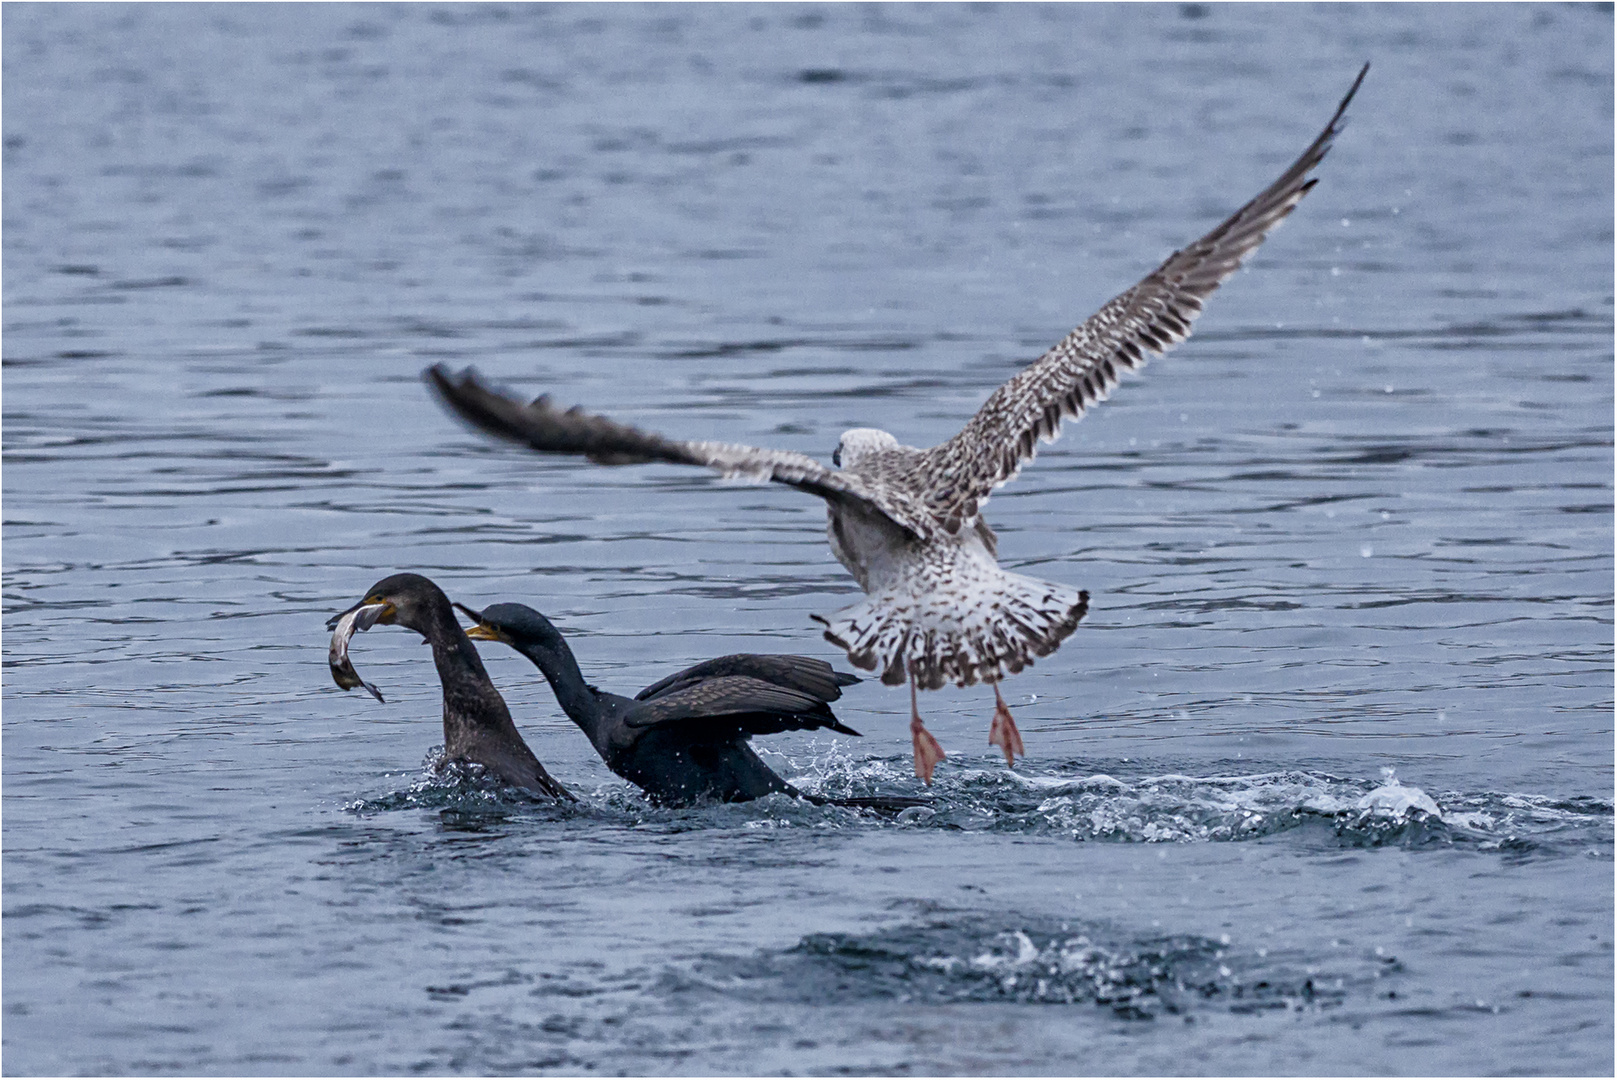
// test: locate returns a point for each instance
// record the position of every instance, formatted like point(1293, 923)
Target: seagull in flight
point(906, 522)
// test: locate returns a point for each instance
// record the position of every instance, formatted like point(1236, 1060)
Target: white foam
point(1395, 800)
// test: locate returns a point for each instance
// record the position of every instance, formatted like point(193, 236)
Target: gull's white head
point(859, 443)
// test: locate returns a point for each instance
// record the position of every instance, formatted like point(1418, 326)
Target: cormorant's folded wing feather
point(736, 703)
point(1085, 366)
point(542, 426)
point(804, 673)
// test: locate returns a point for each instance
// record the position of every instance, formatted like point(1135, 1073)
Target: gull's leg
point(927, 751)
point(1002, 732)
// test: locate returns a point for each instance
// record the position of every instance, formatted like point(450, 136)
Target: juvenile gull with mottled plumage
point(906, 522)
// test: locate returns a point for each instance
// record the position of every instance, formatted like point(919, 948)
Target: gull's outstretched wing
point(542, 426)
point(1084, 366)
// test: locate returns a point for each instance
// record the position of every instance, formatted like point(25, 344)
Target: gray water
point(1322, 784)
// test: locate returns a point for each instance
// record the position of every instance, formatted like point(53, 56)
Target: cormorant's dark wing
point(733, 703)
point(803, 673)
point(542, 426)
point(1084, 367)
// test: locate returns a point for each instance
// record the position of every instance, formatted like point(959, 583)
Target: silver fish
point(348, 623)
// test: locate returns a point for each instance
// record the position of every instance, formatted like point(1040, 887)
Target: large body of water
point(1351, 544)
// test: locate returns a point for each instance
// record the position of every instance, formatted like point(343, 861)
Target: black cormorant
point(477, 725)
point(684, 739)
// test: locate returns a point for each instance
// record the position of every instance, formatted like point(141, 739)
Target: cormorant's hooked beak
point(367, 613)
point(480, 630)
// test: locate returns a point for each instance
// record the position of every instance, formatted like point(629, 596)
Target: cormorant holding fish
point(477, 725)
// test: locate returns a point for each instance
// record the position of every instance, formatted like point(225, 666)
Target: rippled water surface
point(1322, 784)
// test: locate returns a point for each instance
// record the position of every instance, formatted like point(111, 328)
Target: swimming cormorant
point(477, 725)
point(685, 739)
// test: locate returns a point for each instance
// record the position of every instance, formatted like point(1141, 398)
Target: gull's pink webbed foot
point(927, 751)
point(1002, 732)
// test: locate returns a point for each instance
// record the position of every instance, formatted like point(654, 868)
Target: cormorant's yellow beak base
point(477, 631)
point(480, 630)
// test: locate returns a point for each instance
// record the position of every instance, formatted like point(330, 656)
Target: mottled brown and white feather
point(906, 522)
point(1084, 367)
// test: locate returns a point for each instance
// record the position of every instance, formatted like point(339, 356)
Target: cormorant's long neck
point(578, 700)
point(470, 699)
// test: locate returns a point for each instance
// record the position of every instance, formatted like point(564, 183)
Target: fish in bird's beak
point(362, 616)
point(479, 630)
point(383, 613)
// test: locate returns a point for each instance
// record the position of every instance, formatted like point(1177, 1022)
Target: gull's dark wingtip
point(456, 389)
point(1365, 70)
point(471, 401)
point(1339, 120)
point(442, 382)
point(445, 383)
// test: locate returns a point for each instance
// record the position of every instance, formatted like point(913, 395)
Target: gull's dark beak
point(836, 456)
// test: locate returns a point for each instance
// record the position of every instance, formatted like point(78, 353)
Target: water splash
point(1071, 803)
point(965, 958)
point(454, 788)
point(1397, 802)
